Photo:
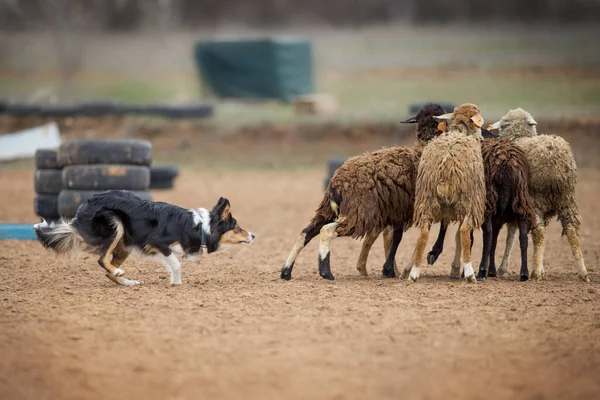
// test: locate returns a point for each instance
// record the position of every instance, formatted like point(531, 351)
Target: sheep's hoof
point(492, 272)
point(405, 274)
point(536, 276)
point(502, 272)
point(584, 277)
point(524, 278)
point(388, 273)
point(328, 276)
point(362, 271)
point(481, 276)
point(455, 275)
point(471, 279)
point(414, 274)
point(286, 273)
point(432, 257)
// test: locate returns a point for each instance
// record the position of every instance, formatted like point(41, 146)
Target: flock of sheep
point(456, 172)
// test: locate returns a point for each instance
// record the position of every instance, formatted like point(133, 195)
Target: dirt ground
point(235, 330)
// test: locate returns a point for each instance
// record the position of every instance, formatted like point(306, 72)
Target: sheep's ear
point(531, 121)
point(412, 120)
point(477, 120)
point(442, 126)
point(445, 116)
point(495, 125)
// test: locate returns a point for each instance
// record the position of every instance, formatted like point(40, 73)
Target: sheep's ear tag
point(477, 120)
point(442, 126)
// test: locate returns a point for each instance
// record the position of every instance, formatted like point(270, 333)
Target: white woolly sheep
point(552, 187)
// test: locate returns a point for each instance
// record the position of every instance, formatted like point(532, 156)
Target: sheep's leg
point(538, 235)
point(389, 267)
point(328, 233)
point(388, 240)
point(465, 244)
point(408, 267)
point(511, 235)
point(487, 248)
point(492, 265)
point(568, 218)
point(361, 264)
point(438, 247)
point(306, 236)
point(455, 270)
point(523, 228)
point(573, 238)
point(419, 253)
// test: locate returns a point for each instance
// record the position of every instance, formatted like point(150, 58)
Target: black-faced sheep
point(367, 194)
point(552, 187)
point(451, 187)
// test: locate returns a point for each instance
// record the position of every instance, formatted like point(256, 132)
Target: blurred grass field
point(374, 73)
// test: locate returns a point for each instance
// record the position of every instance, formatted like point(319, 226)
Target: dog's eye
point(237, 229)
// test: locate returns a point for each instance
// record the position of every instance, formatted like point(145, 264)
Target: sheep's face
point(515, 124)
point(466, 118)
point(427, 124)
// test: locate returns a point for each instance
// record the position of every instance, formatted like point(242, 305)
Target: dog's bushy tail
point(60, 237)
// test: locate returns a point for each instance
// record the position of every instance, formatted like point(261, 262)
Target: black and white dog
point(116, 224)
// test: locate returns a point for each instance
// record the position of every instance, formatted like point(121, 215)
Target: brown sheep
point(367, 194)
point(552, 187)
point(451, 187)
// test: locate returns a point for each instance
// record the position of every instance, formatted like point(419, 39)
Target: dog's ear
point(223, 208)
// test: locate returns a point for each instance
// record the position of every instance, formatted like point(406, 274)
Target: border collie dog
point(118, 223)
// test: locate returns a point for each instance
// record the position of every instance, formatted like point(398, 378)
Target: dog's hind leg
point(119, 254)
point(107, 249)
point(305, 237)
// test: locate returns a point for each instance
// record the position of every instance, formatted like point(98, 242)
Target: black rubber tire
point(125, 151)
point(22, 110)
point(59, 111)
point(162, 172)
point(106, 177)
point(46, 206)
point(46, 159)
point(100, 108)
point(70, 200)
point(162, 184)
point(333, 165)
point(48, 181)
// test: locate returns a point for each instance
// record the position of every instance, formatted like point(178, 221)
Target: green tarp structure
point(256, 69)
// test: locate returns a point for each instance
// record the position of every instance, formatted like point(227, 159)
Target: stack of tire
point(90, 167)
point(332, 166)
point(48, 184)
point(163, 176)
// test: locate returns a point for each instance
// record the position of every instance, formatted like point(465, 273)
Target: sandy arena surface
point(235, 330)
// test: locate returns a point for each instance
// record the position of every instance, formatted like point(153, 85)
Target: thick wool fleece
point(372, 191)
point(507, 173)
point(450, 181)
point(553, 169)
point(553, 177)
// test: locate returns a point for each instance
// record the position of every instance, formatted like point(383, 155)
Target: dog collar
point(203, 247)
